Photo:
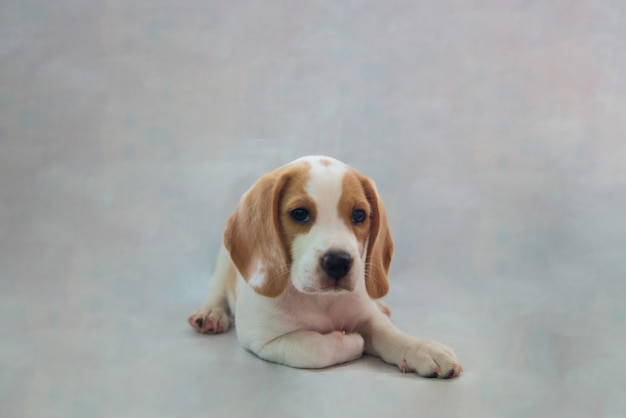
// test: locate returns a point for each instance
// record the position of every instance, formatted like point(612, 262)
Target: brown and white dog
point(305, 258)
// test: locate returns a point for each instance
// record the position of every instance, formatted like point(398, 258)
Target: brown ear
point(253, 239)
point(380, 245)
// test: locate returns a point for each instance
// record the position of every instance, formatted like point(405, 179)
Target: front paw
point(209, 320)
point(353, 343)
point(430, 359)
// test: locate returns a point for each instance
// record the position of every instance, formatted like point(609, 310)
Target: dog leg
point(213, 317)
point(311, 350)
point(410, 354)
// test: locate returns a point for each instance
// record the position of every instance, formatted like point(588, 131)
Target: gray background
point(495, 133)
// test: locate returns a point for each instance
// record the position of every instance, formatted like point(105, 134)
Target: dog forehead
point(325, 181)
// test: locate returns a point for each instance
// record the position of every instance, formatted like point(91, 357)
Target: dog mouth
point(330, 285)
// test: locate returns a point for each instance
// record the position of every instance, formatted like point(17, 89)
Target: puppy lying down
point(304, 262)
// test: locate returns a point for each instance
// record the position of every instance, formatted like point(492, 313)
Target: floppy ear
point(380, 245)
point(253, 236)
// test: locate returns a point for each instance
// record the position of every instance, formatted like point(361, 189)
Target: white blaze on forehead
point(325, 187)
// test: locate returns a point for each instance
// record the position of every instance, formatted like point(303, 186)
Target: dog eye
point(300, 215)
point(358, 216)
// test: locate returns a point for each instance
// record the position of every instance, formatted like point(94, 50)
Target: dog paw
point(348, 346)
point(354, 342)
point(430, 359)
point(210, 320)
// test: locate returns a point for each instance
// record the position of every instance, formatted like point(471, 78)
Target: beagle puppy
point(304, 261)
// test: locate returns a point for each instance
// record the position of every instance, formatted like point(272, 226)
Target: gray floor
point(495, 131)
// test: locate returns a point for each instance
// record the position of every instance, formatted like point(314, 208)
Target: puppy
point(304, 260)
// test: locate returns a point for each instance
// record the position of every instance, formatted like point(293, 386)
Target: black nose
point(336, 264)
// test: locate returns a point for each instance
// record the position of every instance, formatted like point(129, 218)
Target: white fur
point(258, 278)
point(307, 326)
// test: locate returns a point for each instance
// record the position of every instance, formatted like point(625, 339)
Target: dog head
point(316, 222)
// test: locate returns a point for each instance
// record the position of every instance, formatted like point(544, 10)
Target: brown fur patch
point(325, 162)
point(295, 197)
point(360, 193)
point(353, 198)
point(260, 230)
